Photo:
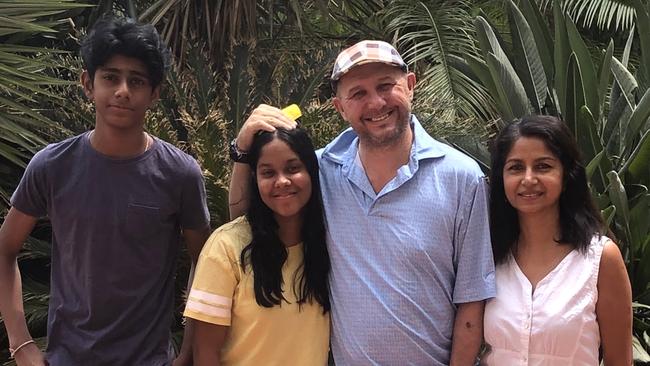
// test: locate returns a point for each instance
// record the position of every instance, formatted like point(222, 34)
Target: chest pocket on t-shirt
point(142, 221)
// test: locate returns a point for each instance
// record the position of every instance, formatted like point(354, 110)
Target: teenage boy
point(407, 223)
point(120, 201)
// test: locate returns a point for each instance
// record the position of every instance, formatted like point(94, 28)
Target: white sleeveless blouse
point(556, 325)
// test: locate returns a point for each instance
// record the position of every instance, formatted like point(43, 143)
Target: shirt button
point(527, 326)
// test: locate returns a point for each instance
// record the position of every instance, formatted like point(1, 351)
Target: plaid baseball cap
point(365, 52)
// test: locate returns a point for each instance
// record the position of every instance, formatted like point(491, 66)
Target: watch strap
point(236, 155)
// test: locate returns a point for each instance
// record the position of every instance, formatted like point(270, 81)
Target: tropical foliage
point(604, 14)
point(435, 38)
point(24, 29)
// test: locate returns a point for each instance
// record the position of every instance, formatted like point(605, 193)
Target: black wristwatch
point(237, 155)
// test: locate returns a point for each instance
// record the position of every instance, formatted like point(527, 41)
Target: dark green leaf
point(605, 77)
point(619, 199)
point(638, 120)
point(638, 165)
point(562, 53)
point(542, 35)
point(586, 67)
point(509, 87)
point(526, 52)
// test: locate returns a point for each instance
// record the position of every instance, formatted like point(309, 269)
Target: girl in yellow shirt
point(260, 292)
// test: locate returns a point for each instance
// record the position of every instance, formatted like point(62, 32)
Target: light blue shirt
point(402, 258)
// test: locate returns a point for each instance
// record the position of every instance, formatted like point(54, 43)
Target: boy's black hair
point(121, 36)
point(578, 217)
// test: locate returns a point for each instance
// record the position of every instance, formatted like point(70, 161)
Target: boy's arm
point(194, 240)
point(15, 229)
point(263, 118)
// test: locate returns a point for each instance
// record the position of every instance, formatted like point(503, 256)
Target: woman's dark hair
point(266, 253)
point(579, 219)
point(112, 36)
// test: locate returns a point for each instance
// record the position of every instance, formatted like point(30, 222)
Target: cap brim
point(364, 62)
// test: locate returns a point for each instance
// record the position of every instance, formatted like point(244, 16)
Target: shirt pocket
point(142, 221)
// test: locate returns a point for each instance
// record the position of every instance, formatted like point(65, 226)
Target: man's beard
point(388, 139)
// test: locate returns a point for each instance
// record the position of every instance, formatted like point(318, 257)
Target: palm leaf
point(604, 14)
point(488, 39)
point(436, 39)
point(638, 165)
point(23, 78)
point(625, 81)
point(575, 97)
point(529, 61)
point(586, 67)
point(638, 120)
point(618, 196)
point(589, 141)
point(561, 55)
point(620, 106)
point(509, 86)
point(359, 18)
point(643, 25)
point(542, 35)
point(605, 78)
point(239, 87)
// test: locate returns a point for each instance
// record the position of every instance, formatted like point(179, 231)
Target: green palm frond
point(35, 249)
point(359, 18)
point(219, 24)
point(35, 298)
point(29, 17)
point(528, 59)
point(23, 76)
point(434, 37)
point(604, 14)
point(216, 22)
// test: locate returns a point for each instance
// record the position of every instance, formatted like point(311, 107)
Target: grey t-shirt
point(116, 233)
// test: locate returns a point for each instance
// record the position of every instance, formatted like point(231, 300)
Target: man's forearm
point(468, 333)
point(238, 194)
point(263, 118)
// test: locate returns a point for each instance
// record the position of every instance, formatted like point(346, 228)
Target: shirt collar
point(344, 147)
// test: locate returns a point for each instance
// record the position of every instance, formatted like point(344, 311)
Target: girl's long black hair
point(579, 217)
point(266, 254)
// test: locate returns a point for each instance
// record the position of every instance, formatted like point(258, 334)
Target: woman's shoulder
point(611, 258)
point(598, 245)
point(611, 266)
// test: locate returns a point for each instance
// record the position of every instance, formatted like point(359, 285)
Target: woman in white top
point(563, 293)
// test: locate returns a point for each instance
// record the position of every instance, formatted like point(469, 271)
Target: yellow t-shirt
point(223, 294)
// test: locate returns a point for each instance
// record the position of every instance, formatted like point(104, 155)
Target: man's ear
point(410, 80)
point(87, 84)
point(336, 101)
